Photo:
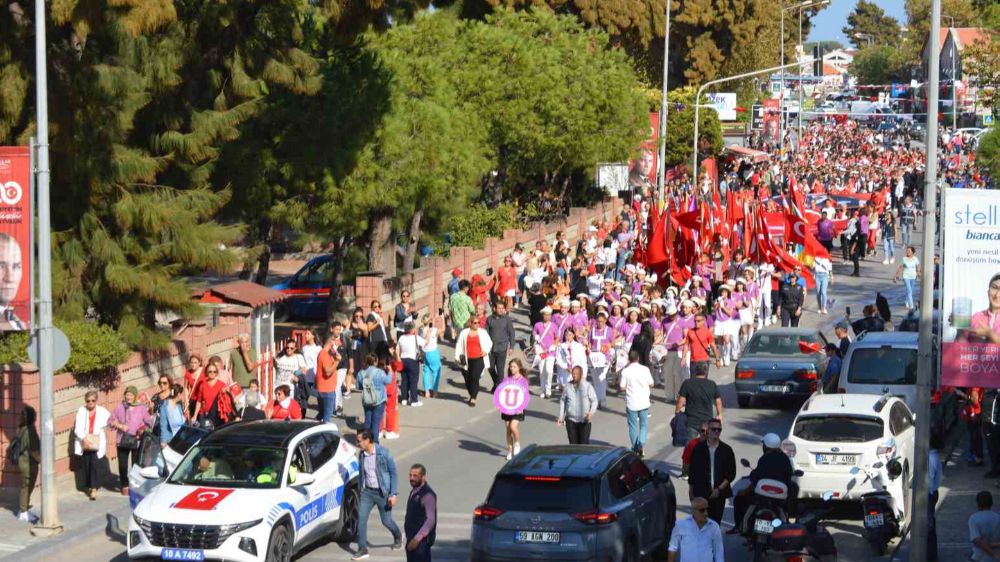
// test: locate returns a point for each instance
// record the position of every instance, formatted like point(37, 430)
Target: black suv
point(574, 502)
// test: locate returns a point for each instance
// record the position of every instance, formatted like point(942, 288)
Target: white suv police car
point(251, 492)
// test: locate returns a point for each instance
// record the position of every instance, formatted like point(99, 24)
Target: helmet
point(771, 441)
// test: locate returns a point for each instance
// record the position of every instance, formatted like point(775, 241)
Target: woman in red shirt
point(472, 353)
point(390, 421)
point(212, 400)
point(284, 407)
point(193, 375)
point(506, 282)
point(972, 414)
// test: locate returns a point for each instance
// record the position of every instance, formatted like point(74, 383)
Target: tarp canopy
point(754, 155)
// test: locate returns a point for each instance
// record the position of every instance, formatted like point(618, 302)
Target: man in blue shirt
point(832, 372)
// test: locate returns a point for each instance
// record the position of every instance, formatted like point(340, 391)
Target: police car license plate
point(181, 554)
point(874, 520)
point(536, 537)
point(762, 526)
point(779, 388)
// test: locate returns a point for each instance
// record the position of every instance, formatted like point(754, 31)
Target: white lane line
point(447, 433)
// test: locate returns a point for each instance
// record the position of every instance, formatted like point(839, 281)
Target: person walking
point(472, 353)
point(699, 398)
point(792, 297)
point(511, 422)
point(460, 306)
point(243, 362)
point(697, 538)
point(700, 347)
point(909, 272)
point(90, 442)
point(171, 415)
point(377, 486)
point(984, 529)
point(420, 523)
point(859, 244)
point(500, 327)
point(889, 236)
point(823, 272)
point(290, 369)
point(333, 361)
point(373, 381)
point(27, 456)
point(408, 348)
point(713, 469)
point(907, 219)
point(129, 420)
point(432, 356)
point(545, 339)
point(213, 402)
point(637, 383)
point(576, 408)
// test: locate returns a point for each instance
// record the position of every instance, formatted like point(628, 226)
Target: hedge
point(94, 347)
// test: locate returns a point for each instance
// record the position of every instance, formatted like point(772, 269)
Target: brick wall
point(429, 283)
point(20, 385)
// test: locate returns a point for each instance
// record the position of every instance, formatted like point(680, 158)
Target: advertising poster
point(724, 104)
point(757, 117)
point(970, 290)
point(642, 170)
point(772, 120)
point(15, 238)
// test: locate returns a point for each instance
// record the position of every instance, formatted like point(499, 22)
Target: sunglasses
point(715, 429)
point(164, 383)
point(91, 401)
point(211, 371)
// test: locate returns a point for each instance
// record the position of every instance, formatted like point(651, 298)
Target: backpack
point(369, 394)
point(14, 450)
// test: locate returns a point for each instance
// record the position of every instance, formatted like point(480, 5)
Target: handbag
point(128, 441)
point(91, 442)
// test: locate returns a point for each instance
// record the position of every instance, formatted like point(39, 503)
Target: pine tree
point(869, 24)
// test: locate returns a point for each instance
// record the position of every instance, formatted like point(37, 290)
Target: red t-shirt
point(207, 393)
point(473, 350)
point(689, 450)
point(91, 420)
point(293, 412)
point(508, 279)
point(700, 339)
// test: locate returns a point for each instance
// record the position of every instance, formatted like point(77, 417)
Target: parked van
point(880, 362)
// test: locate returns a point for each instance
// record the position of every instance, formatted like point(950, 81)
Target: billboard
point(970, 289)
point(642, 170)
point(724, 104)
point(15, 238)
point(757, 117)
point(772, 120)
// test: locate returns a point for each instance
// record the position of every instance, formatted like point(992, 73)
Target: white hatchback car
point(834, 432)
point(251, 492)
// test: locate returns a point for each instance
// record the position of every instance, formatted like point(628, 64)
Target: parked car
point(833, 433)
point(250, 492)
point(780, 363)
point(881, 362)
point(574, 502)
point(307, 291)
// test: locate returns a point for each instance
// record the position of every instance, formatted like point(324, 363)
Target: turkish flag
point(796, 229)
point(807, 347)
point(203, 499)
point(656, 249)
point(690, 219)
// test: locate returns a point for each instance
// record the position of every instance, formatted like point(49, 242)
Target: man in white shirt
point(697, 538)
point(637, 382)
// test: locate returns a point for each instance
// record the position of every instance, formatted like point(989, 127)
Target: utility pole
point(50, 514)
point(661, 164)
point(925, 355)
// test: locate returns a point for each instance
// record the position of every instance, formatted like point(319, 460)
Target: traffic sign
point(511, 396)
point(60, 348)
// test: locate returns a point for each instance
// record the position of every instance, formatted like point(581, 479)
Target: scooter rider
point(774, 464)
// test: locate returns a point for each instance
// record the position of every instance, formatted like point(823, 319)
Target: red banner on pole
point(15, 238)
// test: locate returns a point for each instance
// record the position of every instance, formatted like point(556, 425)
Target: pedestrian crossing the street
point(451, 545)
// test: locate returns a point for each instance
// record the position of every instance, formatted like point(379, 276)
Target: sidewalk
point(80, 518)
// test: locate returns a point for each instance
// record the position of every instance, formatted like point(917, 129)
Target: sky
point(828, 23)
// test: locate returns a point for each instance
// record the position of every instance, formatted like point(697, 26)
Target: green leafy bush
point(94, 347)
point(479, 222)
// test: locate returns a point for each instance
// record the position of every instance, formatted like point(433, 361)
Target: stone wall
point(429, 283)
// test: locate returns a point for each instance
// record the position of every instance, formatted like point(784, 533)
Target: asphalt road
point(463, 447)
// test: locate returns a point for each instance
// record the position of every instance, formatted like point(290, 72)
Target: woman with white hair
point(90, 441)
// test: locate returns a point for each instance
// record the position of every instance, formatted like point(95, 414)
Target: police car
point(254, 492)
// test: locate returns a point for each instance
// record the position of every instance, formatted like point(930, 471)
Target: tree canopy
point(868, 24)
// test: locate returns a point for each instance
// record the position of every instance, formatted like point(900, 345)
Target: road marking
point(448, 432)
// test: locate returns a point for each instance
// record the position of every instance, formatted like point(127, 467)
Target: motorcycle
point(806, 537)
point(767, 509)
point(883, 513)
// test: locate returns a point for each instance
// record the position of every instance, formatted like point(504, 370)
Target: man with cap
point(544, 336)
point(774, 464)
point(456, 276)
point(600, 343)
point(842, 330)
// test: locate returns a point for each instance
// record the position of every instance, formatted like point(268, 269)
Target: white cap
point(671, 309)
point(564, 301)
point(574, 303)
point(547, 310)
point(603, 313)
point(771, 441)
point(591, 228)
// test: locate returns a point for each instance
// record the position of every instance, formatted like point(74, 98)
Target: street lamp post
point(925, 353)
point(661, 164)
point(697, 106)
